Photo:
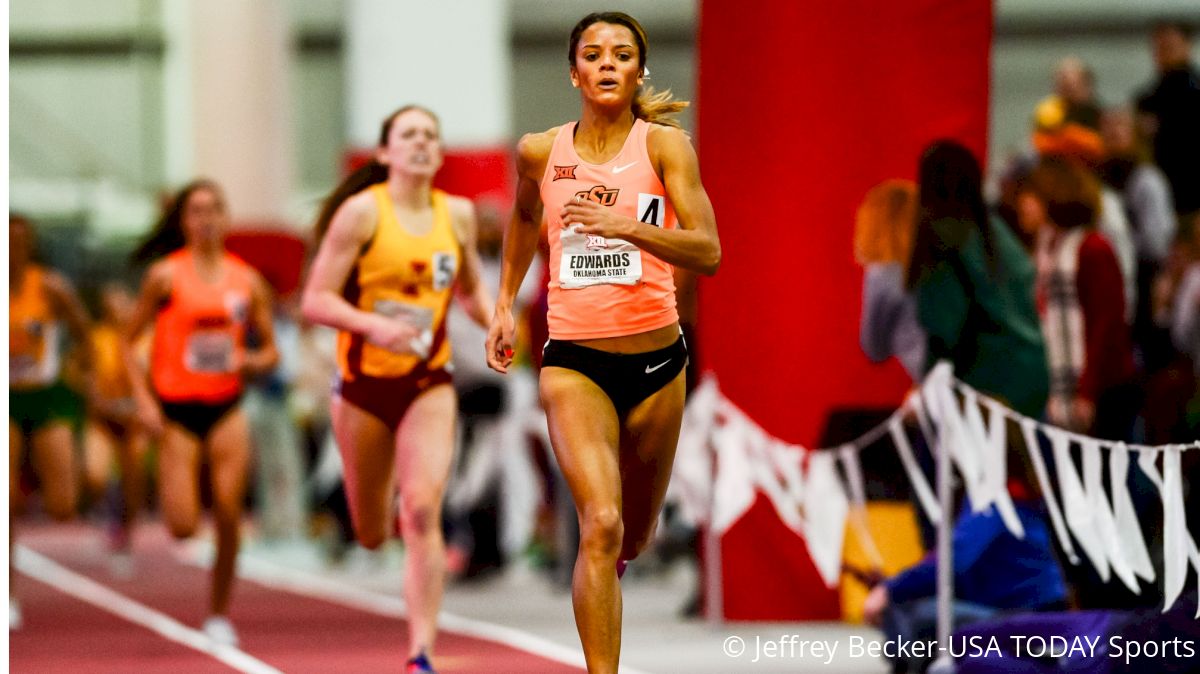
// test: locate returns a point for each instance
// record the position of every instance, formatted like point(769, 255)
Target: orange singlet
point(200, 333)
point(606, 287)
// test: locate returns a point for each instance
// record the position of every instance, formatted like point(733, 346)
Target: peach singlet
point(606, 287)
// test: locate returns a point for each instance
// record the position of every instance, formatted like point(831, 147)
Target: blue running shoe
point(419, 665)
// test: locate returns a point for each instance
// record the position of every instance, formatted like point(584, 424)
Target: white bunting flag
point(1075, 503)
point(1102, 515)
point(995, 464)
point(692, 476)
point(807, 493)
point(1129, 530)
point(848, 456)
point(1034, 449)
point(825, 526)
point(1178, 546)
point(920, 485)
point(733, 491)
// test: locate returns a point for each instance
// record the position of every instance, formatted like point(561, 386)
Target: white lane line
point(52, 573)
point(287, 579)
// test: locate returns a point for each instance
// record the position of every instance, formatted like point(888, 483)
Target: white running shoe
point(14, 615)
point(220, 630)
point(121, 565)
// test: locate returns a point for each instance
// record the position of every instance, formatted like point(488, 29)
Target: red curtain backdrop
point(276, 253)
point(803, 106)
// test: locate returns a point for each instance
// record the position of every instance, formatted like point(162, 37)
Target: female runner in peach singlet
point(393, 252)
point(623, 203)
point(202, 301)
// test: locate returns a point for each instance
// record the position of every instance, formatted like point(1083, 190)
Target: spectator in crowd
point(493, 486)
point(1170, 390)
point(1127, 169)
point(1016, 170)
point(1080, 303)
point(276, 435)
point(1113, 224)
point(1168, 109)
point(1182, 306)
point(883, 239)
point(1068, 125)
point(1068, 121)
point(974, 285)
point(994, 572)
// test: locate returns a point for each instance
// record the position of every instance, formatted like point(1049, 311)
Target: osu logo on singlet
point(601, 195)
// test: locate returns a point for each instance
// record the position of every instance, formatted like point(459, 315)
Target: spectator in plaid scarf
point(1081, 302)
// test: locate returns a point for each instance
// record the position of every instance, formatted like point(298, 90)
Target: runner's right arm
point(156, 288)
point(520, 244)
point(352, 228)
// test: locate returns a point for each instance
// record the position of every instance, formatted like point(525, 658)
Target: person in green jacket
point(974, 285)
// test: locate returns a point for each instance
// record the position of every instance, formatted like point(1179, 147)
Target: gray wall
point(86, 100)
point(85, 90)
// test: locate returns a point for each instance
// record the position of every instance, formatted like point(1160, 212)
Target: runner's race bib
point(444, 270)
point(589, 260)
point(210, 352)
point(30, 356)
point(419, 317)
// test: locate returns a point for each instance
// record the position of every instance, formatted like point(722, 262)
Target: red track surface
point(290, 632)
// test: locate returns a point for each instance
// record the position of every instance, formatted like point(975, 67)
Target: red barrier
point(802, 108)
point(277, 254)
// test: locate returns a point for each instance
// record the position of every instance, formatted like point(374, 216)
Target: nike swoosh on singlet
point(652, 369)
point(618, 169)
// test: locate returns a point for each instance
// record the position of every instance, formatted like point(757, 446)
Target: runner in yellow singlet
point(393, 252)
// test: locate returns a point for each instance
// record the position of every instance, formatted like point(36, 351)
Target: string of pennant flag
point(725, 460)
